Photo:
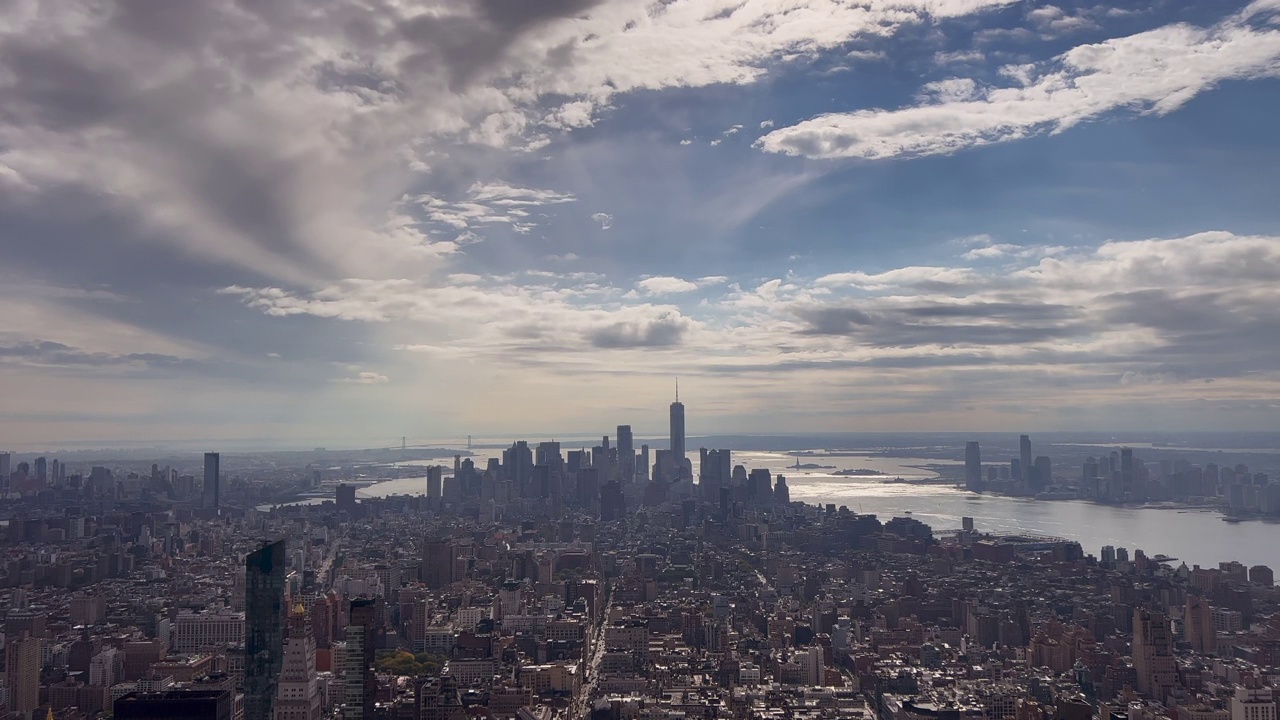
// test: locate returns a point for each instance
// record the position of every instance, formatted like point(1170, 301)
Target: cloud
point(716, 142)
point(504, 195)
point(987, 252)
point(487, 204)
point(1053, 21)
point(605, 220)
point(47, 354)
point(733, 130)
point(207, 135)
point(666, 285)
point(966, 325)
point(1128, 306)
point(664, 330)
point(472, 318)
point(1151, 72)
point(686, 141)
point(364, 377)
point(959, 57)
point(987, 333)
point(766, 124)
point(918, 277)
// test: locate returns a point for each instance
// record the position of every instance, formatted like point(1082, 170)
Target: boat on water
point(1232, 520)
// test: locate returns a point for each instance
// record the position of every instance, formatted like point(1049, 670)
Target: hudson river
point(1193, 536)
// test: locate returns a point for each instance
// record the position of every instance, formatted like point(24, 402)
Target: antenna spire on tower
point(677, 389)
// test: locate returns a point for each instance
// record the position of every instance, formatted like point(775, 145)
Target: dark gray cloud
point(1204, 334)
point(43, 353)
point(466, 45)
point(67, 360)
point(927, 324)
point(665, 331)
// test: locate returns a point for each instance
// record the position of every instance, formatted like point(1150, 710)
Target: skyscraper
point(714, 472)
point(361, 689)
point(973, 466)
point(1024, 458)
point(677, 432)
point(435, 485)
point(264, 619)
point(345, 496)
point(1044, 472)
point(186, 704)
point(298, 696)
point(612, 502)
point(1153, 659)
point(1126, 471)
point(22, 671)
point(211, 495)
point(438, 558)
point(626, 455)
point(5, 470)
point(1198, 626)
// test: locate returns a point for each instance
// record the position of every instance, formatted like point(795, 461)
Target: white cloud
point(508, 195)
point(915, 276)
point(701, 42)
point(733, 130)
point(605, 220)
point(715, 142)
point(766, 124)
point(1152, 72)
point(1053, 21)
point(666, 285)
point(987, 252)
point(571, 115)
point(489, 204)
point(959, 57)
point(949, 91)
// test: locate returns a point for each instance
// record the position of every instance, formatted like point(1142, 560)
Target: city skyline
point(908, 215)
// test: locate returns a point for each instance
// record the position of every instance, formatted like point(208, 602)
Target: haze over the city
point(306, 223)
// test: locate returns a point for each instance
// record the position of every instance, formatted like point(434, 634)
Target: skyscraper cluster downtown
point(602, 483)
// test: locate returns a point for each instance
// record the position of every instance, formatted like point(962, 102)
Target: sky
point(344, 222)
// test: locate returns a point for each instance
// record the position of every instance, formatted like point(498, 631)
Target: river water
point(1194, 536)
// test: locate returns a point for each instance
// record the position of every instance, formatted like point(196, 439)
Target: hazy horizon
point(1260, 441)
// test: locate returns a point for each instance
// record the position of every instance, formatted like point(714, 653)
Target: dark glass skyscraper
point(212, 468)
point(677, 434)
point(264, 620)
point(1024, 458)
point(626, 455)
point(186, 704)
point(361, 688)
